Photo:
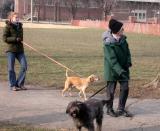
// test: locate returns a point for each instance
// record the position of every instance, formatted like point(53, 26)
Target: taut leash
point(51, 59)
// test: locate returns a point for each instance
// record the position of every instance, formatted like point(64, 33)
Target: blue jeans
point(11, 72)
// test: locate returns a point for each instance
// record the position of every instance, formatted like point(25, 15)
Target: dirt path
point(46, 108)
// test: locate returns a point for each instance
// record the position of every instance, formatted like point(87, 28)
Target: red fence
point(144, 28)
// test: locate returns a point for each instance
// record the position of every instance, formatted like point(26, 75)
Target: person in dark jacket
point(117, 61)
point(13, 37)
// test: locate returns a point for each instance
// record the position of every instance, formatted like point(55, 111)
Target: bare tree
point(72, 6)
point(7, 7)
point(107, 6)
point(87, 5)
point(0, 11)
point(57, 10)
point(37, 6)
point(40, 8)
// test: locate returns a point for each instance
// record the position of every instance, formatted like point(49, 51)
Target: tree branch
point(153, 83)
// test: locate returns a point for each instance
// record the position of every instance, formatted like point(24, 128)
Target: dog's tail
point(66, 72)
point(105, 102)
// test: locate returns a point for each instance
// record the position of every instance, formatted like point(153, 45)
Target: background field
point(81, 50)
point(6, 126)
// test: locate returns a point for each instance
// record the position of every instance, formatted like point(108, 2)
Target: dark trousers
point(124, 90)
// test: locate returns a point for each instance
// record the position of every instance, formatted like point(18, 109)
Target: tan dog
point(80, 83)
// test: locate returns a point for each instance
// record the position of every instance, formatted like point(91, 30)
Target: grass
point(81, 50)
point(6, 126)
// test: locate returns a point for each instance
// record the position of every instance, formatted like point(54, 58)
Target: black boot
point(124, 113)
point(111, 112)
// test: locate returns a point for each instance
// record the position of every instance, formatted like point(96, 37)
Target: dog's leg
point(84, 94)
point(79, 128)
point(66, 86)
point(70, 93)
point(80, 94)
point(91, 127)
point(99, 122)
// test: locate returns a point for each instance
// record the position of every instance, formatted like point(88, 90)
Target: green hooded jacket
point(10, 34)
point(117, 58)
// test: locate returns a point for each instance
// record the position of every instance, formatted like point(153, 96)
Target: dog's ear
point(72, 104)
point(69, 107)
point(79, 105)
point(82, 107)
point(91, 78)
point(67, 110)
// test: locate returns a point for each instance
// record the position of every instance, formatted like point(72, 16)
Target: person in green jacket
point(117, 61)
point(13, 37)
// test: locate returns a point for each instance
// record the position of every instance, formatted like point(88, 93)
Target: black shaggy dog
point(84, 113)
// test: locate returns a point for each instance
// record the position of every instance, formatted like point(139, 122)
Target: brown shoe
point(15, 89)
point(23, 88)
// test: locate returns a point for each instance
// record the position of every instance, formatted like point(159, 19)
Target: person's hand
point(124, 75)
point(19, 39)
point(128, 65)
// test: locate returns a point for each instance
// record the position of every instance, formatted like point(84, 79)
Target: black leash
point(97, 92)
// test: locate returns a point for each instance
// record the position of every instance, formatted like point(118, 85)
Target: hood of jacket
point(108, 38)
point(9, 23)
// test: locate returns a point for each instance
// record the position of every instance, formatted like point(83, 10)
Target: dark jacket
point(10, 34)
point(117, 58)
